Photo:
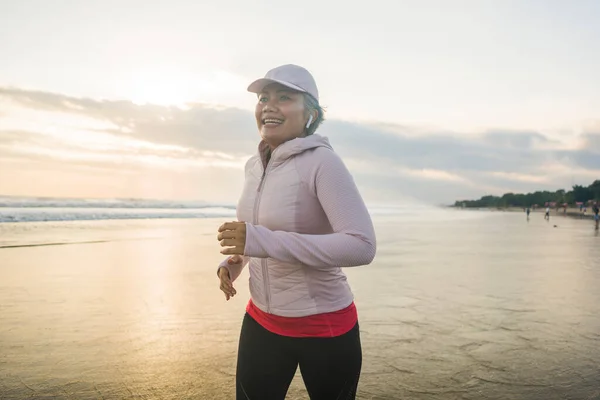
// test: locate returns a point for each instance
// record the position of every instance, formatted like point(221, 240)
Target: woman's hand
point(226, 284)
point(232, 236)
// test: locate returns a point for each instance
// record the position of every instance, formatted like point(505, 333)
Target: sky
point(426, 100)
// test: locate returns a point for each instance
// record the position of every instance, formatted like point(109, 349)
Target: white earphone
point(310, 120)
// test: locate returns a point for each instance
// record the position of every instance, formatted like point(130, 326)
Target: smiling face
point(280, 114)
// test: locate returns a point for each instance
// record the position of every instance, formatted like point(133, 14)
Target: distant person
point(596, 211)
point(305, 222)
point(528, 211)
point(547, 216)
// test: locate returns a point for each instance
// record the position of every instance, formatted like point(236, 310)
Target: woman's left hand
point(232, 236)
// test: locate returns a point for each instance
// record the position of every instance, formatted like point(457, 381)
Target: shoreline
point(456, 297)
point(571, 212)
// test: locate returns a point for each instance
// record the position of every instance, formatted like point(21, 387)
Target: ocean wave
point(49, 202)
point(75, 214)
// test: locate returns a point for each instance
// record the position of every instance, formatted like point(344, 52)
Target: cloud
point(389, 161)
point(515, 139)
point(591, 141)
point(198, 126)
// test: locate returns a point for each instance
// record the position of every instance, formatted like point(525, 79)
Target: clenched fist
point(232, 236)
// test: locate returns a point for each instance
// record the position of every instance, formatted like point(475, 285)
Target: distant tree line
point(579, 194)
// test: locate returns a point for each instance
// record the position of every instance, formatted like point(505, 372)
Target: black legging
point(267, 363)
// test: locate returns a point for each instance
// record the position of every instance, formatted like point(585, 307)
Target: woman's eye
point(284, 97)
point(262, 99)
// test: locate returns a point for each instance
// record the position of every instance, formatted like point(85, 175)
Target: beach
point(457, 305)
point(572, 212)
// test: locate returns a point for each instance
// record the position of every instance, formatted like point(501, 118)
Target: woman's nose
point(268, 107)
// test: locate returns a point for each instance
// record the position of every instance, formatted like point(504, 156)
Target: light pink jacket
point(305, 220)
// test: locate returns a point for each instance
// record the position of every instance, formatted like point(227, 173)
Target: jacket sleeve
point(235, 270)
point(352, 242)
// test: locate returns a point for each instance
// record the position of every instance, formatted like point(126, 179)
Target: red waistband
point(329, 324)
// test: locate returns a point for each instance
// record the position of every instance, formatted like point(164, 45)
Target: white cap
point(289, 75)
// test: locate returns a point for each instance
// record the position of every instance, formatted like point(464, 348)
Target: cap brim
point(258, 85)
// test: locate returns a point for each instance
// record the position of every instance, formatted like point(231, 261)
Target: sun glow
point(160, 85)
point(172, 86)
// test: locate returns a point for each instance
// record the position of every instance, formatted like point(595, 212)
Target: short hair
point(313, 105)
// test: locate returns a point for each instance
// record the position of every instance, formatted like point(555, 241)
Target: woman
point(301, 220)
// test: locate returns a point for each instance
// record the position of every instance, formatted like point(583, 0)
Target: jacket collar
point(291, 148)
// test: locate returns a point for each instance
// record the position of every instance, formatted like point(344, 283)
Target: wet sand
point(457, 305)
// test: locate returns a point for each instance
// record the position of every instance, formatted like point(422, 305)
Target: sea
point(32, 209)
point(119, 299)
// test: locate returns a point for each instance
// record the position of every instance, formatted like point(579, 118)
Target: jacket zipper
point(263, 262)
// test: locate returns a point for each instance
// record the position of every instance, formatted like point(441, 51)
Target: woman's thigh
point(266, 363)
point(331, 367)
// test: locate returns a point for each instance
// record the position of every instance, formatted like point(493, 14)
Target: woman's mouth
point(272, 122)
